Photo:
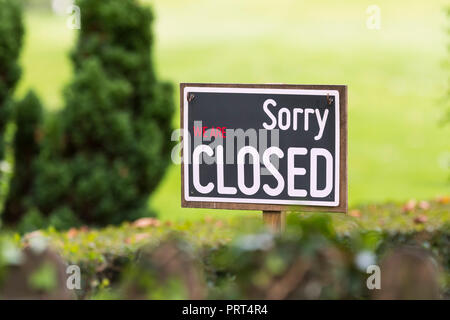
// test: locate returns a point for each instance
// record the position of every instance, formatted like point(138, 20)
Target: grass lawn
point(395, 77)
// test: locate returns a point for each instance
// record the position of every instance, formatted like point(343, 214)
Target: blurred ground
point(395, 77)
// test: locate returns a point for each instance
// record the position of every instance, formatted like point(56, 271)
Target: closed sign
point(264, 147)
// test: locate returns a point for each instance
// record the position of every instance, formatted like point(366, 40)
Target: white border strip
point(333, 93)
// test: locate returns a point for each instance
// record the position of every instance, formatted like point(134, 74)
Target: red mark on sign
point(210, 132)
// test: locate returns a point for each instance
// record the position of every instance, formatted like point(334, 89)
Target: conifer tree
point(27, 116)
point(109, 147)
point(11, 35)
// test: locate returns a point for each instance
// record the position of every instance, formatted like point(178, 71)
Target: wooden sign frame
point(343, 179)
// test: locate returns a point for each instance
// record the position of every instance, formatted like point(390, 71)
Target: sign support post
point(275, 220)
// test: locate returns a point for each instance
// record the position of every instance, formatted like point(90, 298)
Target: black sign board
point(264, 147)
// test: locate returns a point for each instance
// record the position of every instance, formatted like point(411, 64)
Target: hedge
point(319, 256)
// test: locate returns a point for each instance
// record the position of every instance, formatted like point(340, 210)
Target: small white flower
point(364, 259)
point(5, 166)
point(11, 254)
point(38, 244)
point(251, 242)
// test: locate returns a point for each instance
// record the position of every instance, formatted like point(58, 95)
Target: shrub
point(167, 271)
point(108, 149)
point(11, 34)
point(28, 120)
point(318, 256)
point(306, 262)
point(34, 273)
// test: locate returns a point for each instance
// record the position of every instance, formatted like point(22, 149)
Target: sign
point(264, 147)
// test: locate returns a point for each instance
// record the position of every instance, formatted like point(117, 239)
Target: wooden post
point(275, 220)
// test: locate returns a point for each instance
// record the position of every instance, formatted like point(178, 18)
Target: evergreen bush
point(28, 119)
point(11, 36)
point(107, 150)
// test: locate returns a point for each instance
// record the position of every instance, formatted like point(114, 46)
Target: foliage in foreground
point(319, 256)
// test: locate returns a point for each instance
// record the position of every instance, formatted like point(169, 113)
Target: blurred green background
point(397, 81)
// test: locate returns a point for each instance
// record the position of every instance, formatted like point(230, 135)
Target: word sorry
point(286, 118)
